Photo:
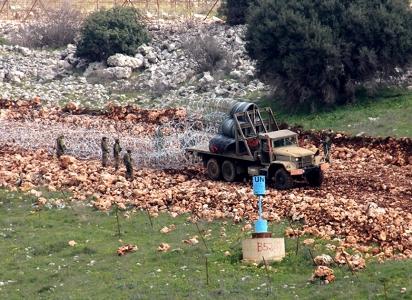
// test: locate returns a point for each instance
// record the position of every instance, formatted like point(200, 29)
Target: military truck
point(250, 143)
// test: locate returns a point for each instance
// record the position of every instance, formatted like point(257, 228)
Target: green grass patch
point(387, 114)
point(37, 262)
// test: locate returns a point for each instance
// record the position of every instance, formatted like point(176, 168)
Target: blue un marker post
point(262, 247)
point(259, 189)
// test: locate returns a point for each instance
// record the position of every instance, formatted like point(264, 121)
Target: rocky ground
point(161, 74)
point(157, 138)
point(364, 201)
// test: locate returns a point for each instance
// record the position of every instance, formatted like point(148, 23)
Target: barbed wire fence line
point(26, 9)
point(153, 151)
point(210, 109)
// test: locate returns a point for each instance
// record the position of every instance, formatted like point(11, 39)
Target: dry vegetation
point(19, 8)
point(57, 28)
point(208, 55)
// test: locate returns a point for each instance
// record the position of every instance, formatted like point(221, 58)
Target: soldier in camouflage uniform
point(60, 146)
point(105, 152)
point(327, 144)
point(128, 162)
point(116, 154)
point(159, 139)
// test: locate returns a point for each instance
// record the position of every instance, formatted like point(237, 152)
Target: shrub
point(235, 11)
point(107, 32)
point(208, 55)
point(318, 51)
point(56, 29)
point(3, 41)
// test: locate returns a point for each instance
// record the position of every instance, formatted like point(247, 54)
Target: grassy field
point(37, 261)
point(388, 114)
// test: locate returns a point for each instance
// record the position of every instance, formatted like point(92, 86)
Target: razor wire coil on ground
point(165, 152)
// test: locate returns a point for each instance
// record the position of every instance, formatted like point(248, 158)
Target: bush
point(208, 55)
point(56, 29)
point(107, 32)
point(235, 11)
point(318, 51)
point(3, 41)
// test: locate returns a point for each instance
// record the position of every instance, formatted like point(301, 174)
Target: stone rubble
point(364, 201)
point(161, 74)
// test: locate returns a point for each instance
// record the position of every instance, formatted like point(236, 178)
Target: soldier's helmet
point(129, 151)
point(104, 138)
point(117, 140)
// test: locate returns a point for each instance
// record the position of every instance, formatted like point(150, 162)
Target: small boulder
point(323, 260)
point(118, 72)
point(46, 74)
point(171, 47)
point(236, 74)
point(125, 249)
point(140, 57)
point(152, 57)
point(324, 274)
point(207, 78)
point(93, 67)
point(15, 76)
point(64, 64)
point(71, 106)
point(250, 73)
point(163, 247)
point(373, 210)
point(112, 73)
point(70, 49)
point(24, 51)
point(66, 160)
point(121, 60)
point(144, 49)
point(72, 59)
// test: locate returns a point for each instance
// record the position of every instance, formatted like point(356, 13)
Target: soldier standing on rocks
point(116, 154)
point(105, 152)
point(128, 162)
point(60, 146)
point(327, 144)
point(159, 139)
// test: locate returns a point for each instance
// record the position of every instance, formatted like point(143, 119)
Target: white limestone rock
point(121, 60)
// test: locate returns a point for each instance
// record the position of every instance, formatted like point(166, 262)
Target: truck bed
point(205, 150)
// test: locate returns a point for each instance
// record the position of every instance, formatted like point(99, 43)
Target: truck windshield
point(285, 142)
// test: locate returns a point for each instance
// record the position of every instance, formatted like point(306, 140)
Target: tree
point(107, 32)
point(235, 11)
point(319, 51)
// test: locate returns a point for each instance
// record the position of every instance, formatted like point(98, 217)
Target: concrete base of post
point(255, 249)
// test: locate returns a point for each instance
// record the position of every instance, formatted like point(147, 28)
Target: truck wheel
point(228, 171)
point(213, 169)
point(283, 180)
point(315, 178)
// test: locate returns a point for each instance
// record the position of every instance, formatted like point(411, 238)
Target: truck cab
point(280, 152)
